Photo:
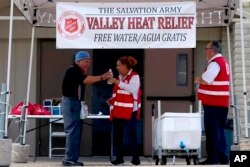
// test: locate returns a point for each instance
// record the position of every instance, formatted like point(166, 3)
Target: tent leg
point(235, 140)
point(28, 86)
point(8, 67)
point(243, 70)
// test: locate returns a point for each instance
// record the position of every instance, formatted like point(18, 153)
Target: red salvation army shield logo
point(70, 25)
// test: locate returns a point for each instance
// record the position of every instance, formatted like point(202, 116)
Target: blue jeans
point(71, 108)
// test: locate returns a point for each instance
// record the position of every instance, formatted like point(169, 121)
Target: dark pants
point(214, 123)
point(119, 128)
point(71, 108)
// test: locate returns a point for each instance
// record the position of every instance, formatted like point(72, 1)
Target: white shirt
point(131, 87)
point(212, 71)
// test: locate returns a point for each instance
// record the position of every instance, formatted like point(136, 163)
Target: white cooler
point(180, 127)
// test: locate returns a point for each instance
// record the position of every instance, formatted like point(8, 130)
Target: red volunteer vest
point(217, 93)
point(123, 102)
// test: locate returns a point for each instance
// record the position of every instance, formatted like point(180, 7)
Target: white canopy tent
point(42, 13)
point(210, 13)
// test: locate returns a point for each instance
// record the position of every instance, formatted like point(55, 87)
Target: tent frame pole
point(243, 71)
point(235, 132)
point(8, 68)
point(28, 86)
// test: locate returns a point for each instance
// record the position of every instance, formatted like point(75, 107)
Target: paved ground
point(100, 161)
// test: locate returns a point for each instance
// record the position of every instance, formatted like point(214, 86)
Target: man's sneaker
point(71, 163)
point(117, 161)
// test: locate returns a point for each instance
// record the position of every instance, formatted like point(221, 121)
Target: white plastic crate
point(55, 110)
point(181, 127)
point(47, 102)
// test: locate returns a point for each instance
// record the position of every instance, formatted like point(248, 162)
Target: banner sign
point(126, 25)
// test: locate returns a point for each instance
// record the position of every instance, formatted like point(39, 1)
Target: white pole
point(199, 106)
point(8, 69)
point(231, 84)
point(14, 18)
point(230, 63)
point(29, 80)
point(243, 70)
point(159, 130)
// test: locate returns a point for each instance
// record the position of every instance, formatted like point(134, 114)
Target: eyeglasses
point(208, 48)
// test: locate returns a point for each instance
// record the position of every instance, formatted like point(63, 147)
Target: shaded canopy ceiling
point(210, 13)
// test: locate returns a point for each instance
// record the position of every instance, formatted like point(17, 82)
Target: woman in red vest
point(125, 107)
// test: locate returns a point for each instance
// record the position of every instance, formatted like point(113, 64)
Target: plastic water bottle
point(109, 82)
